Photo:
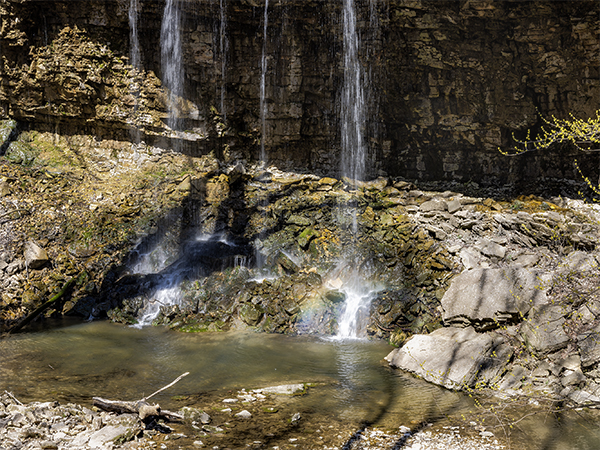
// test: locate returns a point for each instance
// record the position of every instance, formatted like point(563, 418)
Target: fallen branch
point(146, 411)
point(13, 397)
point(20, 210)
point(143, 409)
point(167, 386)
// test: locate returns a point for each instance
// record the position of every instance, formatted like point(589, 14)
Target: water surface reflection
point(76, 361)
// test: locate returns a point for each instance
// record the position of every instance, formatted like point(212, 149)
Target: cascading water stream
point(353, 120)
point(259, 257)
point(263, 82)
point(223, 49)
point(167, 291)
point(134, 41)
point(166, 294)
point(170, 263)
point(135, 59)
point(353, 124)
point(171, 54)
point(223, 46)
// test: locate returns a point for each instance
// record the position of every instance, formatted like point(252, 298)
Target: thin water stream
point(74, 361)
point(171, 54)
point(263, 84)
point(223, 50)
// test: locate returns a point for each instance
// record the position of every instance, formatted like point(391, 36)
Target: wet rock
point(251, 314)
point(194, 414)
point(297, 219)
point(285, 389)
point(8, 132)
point(486, 298)
point(244, 415)
point(377, 185)
point(19, 152)
point(306, 236)
point(286, 262)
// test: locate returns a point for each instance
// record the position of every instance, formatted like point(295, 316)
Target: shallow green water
point(76, 361)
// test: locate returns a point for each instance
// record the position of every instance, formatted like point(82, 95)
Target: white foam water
point(165, 296)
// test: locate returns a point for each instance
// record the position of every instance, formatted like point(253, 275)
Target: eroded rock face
point(440, 110)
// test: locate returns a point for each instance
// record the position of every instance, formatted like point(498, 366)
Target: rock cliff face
point(448, 82)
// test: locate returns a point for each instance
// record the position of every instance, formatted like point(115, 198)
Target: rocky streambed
point(260, 418)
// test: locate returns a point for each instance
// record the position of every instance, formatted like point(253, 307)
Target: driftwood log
point(146, 411)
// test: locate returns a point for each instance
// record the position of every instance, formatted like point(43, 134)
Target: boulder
point(513, 379)
point(8, 132)
point(244, 414)
point(450, 357)
point(543, 330)
point(35, 256)
point(486, 298)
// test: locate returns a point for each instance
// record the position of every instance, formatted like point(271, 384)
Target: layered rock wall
point(448, 82)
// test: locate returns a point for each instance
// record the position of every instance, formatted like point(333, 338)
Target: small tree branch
point(167, 386)
point(13, 397)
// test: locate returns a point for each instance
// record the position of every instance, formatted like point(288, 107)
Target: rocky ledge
point(517, 322)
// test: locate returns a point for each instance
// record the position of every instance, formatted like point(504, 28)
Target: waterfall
point(353, 120)
point(263, 77)
point(171, 55)
point(135, 59)
point(223, 48)
point(167, 292)
point(134, 41)
point(353, 127)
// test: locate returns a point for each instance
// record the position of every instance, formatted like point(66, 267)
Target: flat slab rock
point(450, 357)
point(485, 298)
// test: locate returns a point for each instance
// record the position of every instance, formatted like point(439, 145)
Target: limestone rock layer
point(446, 82)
